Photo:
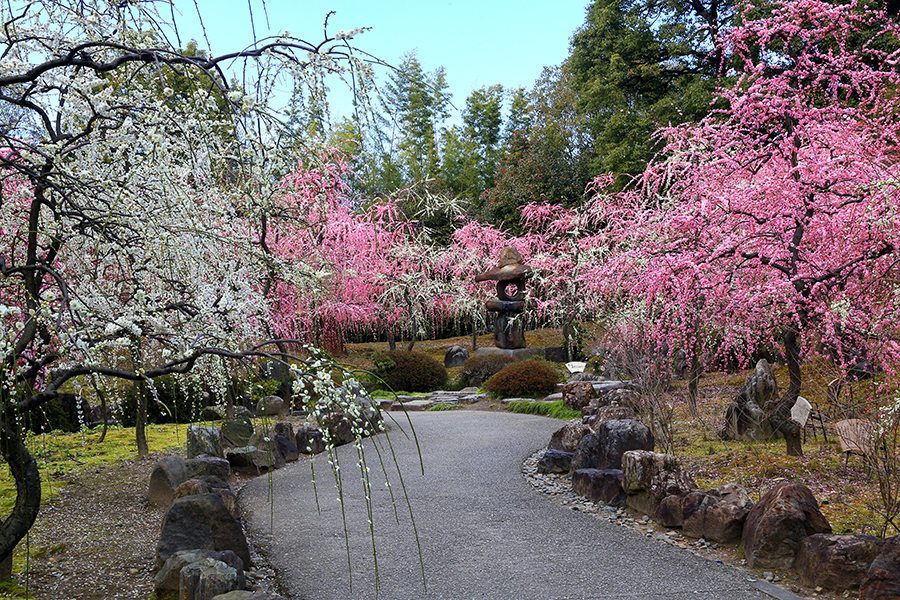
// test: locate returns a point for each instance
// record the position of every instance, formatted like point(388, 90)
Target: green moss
point(60, 453)
point(10, 589)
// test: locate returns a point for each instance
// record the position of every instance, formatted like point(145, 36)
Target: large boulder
point(365, 414)
point(284, 428)
point(208, 578)
point(168, 474)
point(554, 461)
point(169, 576)
point(339, 428)
point(201, 522)
point(286, 448)
point(604, 485)
point(623, 393)
point(618, 437)
point(834, 561)
point(761, 387)
point(566, 438)
point(778, 524)
point(217, 412)
point(360, 417)
point(310, 440)
point(192, 487)
point(610, 412)
point(746, 421)
point(745, 417)
point(719, 516)
point(273, 440)
point(578, 394)
point(253, 460)
point(204, 441)
point(207, 467)
point(882, 581)
point(456, 356)
point(587, 454)
point(271, 406)
point(236, 432)
point(650, 477)
point(211, 485)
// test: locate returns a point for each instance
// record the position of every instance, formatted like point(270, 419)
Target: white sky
point(479, 42)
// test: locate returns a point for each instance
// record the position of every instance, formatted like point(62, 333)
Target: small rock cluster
point(202, 551)
point(559, 487)
point(604, 464)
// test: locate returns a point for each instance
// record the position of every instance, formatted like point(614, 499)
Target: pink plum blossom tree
point(349, 266)
point(774, 219)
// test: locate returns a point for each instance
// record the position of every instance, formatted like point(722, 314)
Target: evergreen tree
point(418, 104)
point(640, 64)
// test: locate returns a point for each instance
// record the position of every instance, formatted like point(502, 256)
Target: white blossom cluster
point(153, 189)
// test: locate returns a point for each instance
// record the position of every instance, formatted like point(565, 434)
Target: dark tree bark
point(24, 470)
point(392, 343)
point(694, 383)
point(780, 419)
point(140, 429)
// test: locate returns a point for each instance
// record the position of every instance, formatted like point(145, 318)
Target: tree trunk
point(25, 472)
point(103, 413)
point(474, 335)
point(140, 429)
point(231, 392)
point(392, 343)
point(780, 419)
point(694, 384)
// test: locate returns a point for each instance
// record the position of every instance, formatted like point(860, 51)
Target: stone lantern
point(510, 275)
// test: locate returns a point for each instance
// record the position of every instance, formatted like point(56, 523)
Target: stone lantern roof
point(510, 267)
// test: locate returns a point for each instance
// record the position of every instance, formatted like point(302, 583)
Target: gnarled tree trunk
point(780, 419)
point(24, 470)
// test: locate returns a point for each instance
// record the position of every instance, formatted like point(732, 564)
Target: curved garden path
point(484, 531)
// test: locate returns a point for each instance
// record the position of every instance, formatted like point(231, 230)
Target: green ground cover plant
point(554, 409)
point(57, 454)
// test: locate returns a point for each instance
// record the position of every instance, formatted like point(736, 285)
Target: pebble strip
point(558, 487)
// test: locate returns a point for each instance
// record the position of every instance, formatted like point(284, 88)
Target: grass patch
point(10, 589)
point(444, 406)
point(386, 395)
point(58, 454)
point(554, 409)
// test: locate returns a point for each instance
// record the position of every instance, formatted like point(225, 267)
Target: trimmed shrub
point(525, 378)
point(409, 371)
point(478, 369)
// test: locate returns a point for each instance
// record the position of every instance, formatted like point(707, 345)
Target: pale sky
point(478, 42)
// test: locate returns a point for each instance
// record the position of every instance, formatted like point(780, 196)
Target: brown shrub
point(523, 379)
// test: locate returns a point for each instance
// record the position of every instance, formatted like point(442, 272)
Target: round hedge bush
point(526, 378)
point(409, 371)
point(478, 369)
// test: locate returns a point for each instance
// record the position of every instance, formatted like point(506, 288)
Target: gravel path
point(483, 530)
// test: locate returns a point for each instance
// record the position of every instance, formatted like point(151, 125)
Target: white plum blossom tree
point(134, 205)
